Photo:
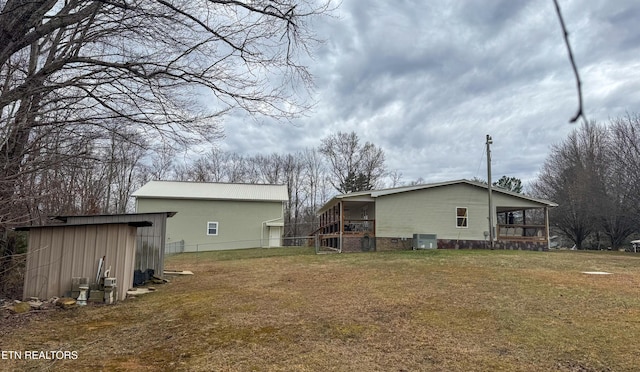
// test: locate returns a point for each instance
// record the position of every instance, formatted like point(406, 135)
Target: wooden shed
point(57, 253)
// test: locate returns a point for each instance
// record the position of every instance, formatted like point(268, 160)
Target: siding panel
point(241, 223)
point(433, 210)
point(150, 244)
point(58, 253)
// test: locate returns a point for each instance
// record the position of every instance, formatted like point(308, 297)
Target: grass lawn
point(291, 310)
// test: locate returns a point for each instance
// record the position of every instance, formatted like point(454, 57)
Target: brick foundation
point(380, 244)
point(358, 244)
point(482, 244)
point(393, 244)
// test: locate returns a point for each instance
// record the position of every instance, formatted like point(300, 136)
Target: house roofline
point(397, 190)
point(208, 191)
point(278, 200)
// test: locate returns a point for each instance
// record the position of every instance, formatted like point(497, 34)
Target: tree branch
point(565, 34)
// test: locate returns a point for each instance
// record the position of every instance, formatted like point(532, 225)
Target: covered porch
point(519, 224)
point(348, 222)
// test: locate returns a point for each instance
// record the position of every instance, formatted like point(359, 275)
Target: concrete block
point(75, 285)
point(96, 296)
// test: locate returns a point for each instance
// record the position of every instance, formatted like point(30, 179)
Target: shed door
point(274, 236)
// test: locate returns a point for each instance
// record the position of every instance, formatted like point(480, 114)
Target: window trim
point(217, 228)
point(465, 218)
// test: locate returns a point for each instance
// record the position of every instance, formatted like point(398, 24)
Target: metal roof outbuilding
point(212, 191)
point(58, 253)
point(150, 240)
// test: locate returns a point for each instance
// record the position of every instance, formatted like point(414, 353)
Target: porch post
point(546, 226)
point(341, 224)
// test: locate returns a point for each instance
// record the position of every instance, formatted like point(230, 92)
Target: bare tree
point(293, 174)
point(96, 60)
point(51, 175)
point(216, 163)
point(395, 178)
point(625, 152)
point(123, 170)
point(569, 176)
point(353, 167)
point(619, 215)
point(161, 163)
point(418, 181)
point(270, 168)
point(235, 168)
point(595, 192)
point(70, 67)
point(315, 187)
point(315, 178)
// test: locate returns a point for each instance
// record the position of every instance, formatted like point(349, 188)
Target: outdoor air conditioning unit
point(425, 241)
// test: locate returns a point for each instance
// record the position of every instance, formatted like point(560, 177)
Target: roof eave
point(208, 198)
point(130, 223)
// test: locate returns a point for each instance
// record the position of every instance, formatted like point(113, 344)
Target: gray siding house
point(217, 216)
point(450, 214)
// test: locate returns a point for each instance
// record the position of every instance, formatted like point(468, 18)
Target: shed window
point(212, 228)
point(461, 217)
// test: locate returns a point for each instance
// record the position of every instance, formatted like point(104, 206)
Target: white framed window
point(462, 220)
point(212, 228)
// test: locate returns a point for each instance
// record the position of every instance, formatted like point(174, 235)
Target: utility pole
point(491, 233)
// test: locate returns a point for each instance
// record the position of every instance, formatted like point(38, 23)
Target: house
point(150, 240)
point(217, 216)
point(450, 214)
point(58, 253)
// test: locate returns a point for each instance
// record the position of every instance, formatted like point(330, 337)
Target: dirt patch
point(10, 322)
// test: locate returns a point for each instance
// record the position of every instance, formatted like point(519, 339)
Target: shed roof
point(120, 217)
point(212, 191)
point(56, 226)
point(397, 190)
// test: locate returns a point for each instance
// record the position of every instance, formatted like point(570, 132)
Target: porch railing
point(522, 232)
point(359, 226)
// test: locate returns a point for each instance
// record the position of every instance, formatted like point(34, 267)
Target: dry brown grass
point(288, 309)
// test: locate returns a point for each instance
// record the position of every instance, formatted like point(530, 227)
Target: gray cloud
point(426, 81)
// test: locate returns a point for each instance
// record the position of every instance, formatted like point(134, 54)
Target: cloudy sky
point(427, 80)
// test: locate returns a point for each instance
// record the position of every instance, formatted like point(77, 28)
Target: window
point(212, 228)
point(461, 217)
